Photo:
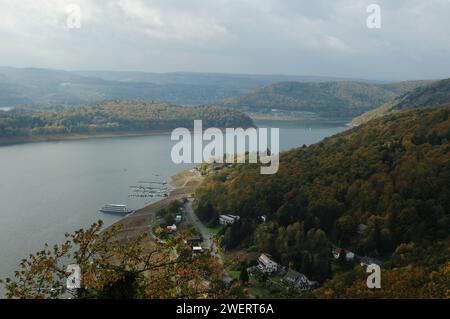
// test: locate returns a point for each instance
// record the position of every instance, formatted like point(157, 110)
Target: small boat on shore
point(116, 209)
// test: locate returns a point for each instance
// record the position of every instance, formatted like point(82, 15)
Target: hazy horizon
point(324, 77)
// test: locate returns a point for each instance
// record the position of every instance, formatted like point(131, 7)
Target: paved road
point(208, 242)
point(208, 238)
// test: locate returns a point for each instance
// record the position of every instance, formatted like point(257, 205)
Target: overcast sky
point(235, 36)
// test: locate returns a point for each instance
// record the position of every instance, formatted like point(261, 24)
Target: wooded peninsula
point(136, 116)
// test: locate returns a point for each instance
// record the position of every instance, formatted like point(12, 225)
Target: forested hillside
point(134, 115)
point(431, 95)
point(327, 99)
point(380, 190)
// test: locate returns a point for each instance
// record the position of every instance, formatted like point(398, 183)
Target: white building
point(178, 219)
point(267, 265)
point(228, 219)
point(367, 261)
point(349, 255)
point(172, 228)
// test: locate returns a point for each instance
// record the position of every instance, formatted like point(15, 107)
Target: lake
point(50, 188)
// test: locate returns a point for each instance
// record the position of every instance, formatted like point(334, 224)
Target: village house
point(266, 264)
point(172, 228)
point(197, 249)
point(297, 280)
point(178, 219)
point(349, 255)
point(228, 219)
point(338, 251)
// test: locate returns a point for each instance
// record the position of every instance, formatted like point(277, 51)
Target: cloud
point(243, 36)
point(336, 43)
point(172, 25)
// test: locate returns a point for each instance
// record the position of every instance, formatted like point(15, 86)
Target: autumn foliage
point(112, 268)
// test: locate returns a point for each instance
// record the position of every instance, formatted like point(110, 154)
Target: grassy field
point(234, 274)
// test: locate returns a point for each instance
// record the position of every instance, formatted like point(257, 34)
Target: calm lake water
point(48, 189)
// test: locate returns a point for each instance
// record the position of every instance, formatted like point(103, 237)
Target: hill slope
point(390, 174)
point(328, 99)
point(432, 95)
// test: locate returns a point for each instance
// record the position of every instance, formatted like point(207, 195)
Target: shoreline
point(295, 118)
point(184, 184)
point(17, 140)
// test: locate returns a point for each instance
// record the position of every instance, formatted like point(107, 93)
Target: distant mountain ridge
point(45, 87)
point(329, 99)
point(201, 78)
point(432, 95)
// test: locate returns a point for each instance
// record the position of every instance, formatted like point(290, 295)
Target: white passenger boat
point(116, 209)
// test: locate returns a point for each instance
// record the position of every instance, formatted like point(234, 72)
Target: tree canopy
point(113, 268)
point(380, 190)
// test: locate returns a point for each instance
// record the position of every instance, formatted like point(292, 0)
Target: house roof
point(227, 217)
point(292, 275)
point(295, 276)
point(194, 240)
point(265, 259)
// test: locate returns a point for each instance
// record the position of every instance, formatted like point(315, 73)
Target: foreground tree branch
point(114, 269)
